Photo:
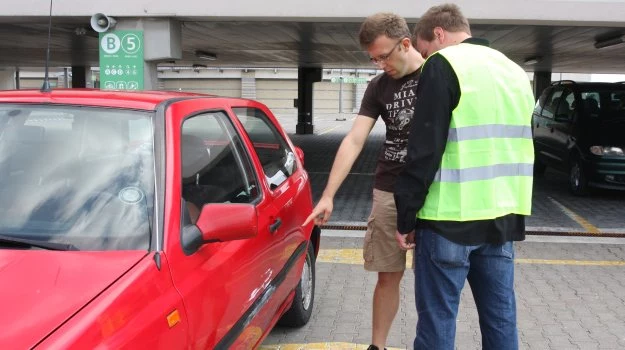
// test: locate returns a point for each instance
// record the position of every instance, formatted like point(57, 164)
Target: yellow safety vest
point(487, 168)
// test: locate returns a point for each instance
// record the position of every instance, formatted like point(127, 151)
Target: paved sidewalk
point(570, 295)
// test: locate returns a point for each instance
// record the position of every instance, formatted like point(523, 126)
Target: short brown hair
point(447, 16)
point(383, 23)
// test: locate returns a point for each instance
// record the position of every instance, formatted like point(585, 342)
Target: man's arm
point(348, 152)
point(438, 94)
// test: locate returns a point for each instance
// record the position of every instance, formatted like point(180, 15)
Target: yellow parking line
point(577, 218)
point(571, 262)
point(319, 346)
point(328, 130)
point(354, 257)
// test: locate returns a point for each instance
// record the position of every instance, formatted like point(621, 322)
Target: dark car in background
point(579, 128)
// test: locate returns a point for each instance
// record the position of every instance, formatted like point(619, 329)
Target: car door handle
point(276, 224)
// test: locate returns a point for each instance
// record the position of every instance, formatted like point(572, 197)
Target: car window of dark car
point(616, 100)
point(277, 158)
point(551, 104)
point(540, 104)
point(564, 109)
point(592, 103)
point(216, 168)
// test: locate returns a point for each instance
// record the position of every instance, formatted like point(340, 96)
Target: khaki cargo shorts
point(381, 251)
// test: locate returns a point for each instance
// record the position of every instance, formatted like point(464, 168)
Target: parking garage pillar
point(305, 79)
point(80, 74)
point(542, 80)
point(162, 40)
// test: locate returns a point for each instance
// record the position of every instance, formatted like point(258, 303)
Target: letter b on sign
point(110, 43)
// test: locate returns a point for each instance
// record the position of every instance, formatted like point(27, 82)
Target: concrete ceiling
point(567, 49)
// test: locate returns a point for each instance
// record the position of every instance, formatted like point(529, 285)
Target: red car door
point(228, 287)
point(285, 181)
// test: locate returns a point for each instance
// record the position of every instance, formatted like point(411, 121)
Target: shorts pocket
point(367, 252)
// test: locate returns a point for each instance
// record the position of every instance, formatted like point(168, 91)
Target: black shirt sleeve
point(438, 95)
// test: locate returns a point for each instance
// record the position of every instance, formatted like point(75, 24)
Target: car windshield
point(76, 175)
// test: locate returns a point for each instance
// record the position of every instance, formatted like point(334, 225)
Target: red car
point(149, 220)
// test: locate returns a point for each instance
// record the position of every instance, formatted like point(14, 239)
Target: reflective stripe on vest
point(484, 172)
point(489, 131)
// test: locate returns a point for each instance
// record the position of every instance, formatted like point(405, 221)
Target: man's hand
point(406, 242)
point(321, 213)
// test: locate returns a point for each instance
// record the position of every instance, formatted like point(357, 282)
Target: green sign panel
point(121, 60)
point(348, 80)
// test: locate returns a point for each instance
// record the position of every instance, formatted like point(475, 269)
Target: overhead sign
point(349, 80)
point(121, 60)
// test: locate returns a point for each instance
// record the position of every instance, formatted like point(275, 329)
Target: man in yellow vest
point(466, 187)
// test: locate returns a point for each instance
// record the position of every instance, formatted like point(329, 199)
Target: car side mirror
point(300, 154)
point(220, 222)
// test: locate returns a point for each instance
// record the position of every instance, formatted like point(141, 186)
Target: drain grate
point(528, 232)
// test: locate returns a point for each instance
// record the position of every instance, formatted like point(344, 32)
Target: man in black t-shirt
point(391, 95)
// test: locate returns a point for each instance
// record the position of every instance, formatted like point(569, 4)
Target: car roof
point(144, 100)
point(574, 84)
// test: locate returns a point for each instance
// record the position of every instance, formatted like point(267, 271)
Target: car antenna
point(46, 80)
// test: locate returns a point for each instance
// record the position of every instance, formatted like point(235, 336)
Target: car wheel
point(301, 309)
point(578, 182)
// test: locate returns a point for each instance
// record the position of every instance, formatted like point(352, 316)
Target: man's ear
point(403, 43)
point(439, 34)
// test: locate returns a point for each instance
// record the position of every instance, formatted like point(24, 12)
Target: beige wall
point(326, 98)
point(222, 87)
point(277, 94)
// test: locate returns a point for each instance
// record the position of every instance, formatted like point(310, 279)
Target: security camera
point(101, 22)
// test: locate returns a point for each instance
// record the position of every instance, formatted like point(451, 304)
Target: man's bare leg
point(385, 305)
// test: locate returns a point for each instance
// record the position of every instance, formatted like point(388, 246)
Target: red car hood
point(41, 289)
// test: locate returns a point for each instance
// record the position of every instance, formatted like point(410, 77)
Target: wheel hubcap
point(306, 285)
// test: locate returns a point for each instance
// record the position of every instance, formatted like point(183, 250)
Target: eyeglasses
point(383, 58)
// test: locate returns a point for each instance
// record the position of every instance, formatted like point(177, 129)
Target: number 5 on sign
point(131, 44)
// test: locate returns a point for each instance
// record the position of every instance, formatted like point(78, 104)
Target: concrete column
point(162, 40)
point(80, 76)
point(66, 78)
point(7, 79)
point(305, 79)
point(542, 80)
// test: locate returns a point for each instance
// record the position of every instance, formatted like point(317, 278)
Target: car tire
point(301, 309)
point(578, 182)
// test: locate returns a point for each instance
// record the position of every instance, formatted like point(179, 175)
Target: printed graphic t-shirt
point(393, 100)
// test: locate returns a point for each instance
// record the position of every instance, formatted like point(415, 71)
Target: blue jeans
point(441, 268)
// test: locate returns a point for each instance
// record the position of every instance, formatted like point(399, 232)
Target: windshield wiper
point(22, 242)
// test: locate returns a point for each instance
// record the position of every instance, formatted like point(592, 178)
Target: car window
point(540, 104)
point(564, 109)
point(78, 175)
point(551, 104)
point(617, 100)
point(215, 166)
point(592, 103)
point(277, 158)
